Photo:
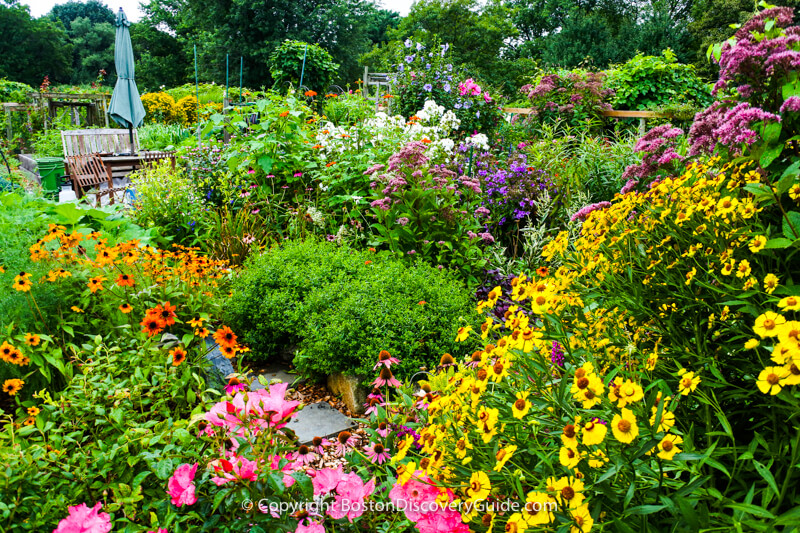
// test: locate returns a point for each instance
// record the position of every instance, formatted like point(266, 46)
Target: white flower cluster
point(479, 141)
point(432, 122)
point(316, 216)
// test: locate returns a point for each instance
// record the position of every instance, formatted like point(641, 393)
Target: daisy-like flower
point(33, 411)
point(12, 386)
point(318, 444)
point(582, 519)
point(502, 457)
point(463, 333)
point(569, 457)
point(688, 382)
point(152, 324)
point(96, 283)
point(125, 308)
point(771, 283)
point(570, 491)
point(344, 441)
point(125, 280)
point(668, 447)
point(593, 433)
point(224, 336)
point(539, 507)
point(228, 351)
point(202, 332)
point(376, 453)
point(31, 339)
point(178, 355)
point(22, 282)
point(166, 312)
point(521, 405)
point(757, 244)
point(767, 324)
point(790, 303)
point(386, 378)
point(383, 429)
point(385, 359)
point(624, 426)
point(76, 309)
point(303, 456)
point(770, 379)
point(750, 344)
point(196, 323)
point(479, 487)
point(234, 386)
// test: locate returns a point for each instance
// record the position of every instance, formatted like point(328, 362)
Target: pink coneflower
point(377, 453)
point(372, 406)
point(383, 429)
point(345, 440)
point(318, 444)
point(251, 171)
point(386, 378)
point(304, 455)
point(234, 385)
point(298, 174)
point(385, 359)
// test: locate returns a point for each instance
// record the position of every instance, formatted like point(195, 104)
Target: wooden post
point(105, 110)
point(364, 89)
point(9, 129)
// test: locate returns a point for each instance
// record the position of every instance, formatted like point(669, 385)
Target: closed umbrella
point(126, 107)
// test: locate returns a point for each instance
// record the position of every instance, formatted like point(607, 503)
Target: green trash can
point(50, 170)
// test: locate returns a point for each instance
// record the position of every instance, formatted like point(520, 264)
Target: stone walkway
point(314, 420)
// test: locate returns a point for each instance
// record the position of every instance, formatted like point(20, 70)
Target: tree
point(94, 10)
point(93, 50)
point(160, 57)
point(32, 48)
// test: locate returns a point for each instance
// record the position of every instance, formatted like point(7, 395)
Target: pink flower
point(310, 528)
point(238, 468)
point(181, 485)
point(351, 493)
point(377, 453)
point(385, 359)
point(159, 530)
point(411, 496)
point(386, 378)
point(442, 520)
point(326, 480)
point(83, 519)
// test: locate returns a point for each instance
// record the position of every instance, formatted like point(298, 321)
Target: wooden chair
point(89, 174)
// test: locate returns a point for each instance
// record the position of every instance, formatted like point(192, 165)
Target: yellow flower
point(570, 490)
point(726, 205)
point(12, 386)
point(790, 303)
point(792, 374)
point(539, 507)
point(516, 524)
point(499, 370)
point(690, 275)
point(769, 380)
point(405, 472)
point(479, 486)
point(624, 426)
point(462, 446)
point(593, 433)
point(767, 324)
point(757, 244)
point(794, 192)
point(789, 333)
point(463, 333)
point(751, 343)
point(688, 382)
point(502, 457)
point(582, 519)
point(569, 457)
point(743, 270)
point(597, 459)
point(76, 309)
point(629, 393)
point(771, 283)
point(32, 339)
point(667, 419)
point(402, 449)
point(668, 447)
point(521, 406)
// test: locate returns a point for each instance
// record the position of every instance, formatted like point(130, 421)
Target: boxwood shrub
point(341, 307)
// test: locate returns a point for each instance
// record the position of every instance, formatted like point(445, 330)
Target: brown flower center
point(520, 404)
point(569, 431)
point(667, 445)
point(624, 426)
point(567, 493)
point(582, 383)
point(773, 379)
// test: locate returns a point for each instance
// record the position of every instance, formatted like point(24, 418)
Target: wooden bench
point(99, 141)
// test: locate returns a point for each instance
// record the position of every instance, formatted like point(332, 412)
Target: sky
point(131, 7)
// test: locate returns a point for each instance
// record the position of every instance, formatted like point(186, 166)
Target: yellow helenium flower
point(463, 333)
point(405, 472)
point(569, 457)
point(521, 406)
point(789, 333)
point(539, 508)
point(757, 244)
point(771, 283)
point(667, 419)
point(582, 519)
point(688, 382)
point(570, 490)
point(769, 380)
point(479, 486)
point(502, 456)
point(767, 324)
point(790, 303)
point(624, 426)
point(593, 433)
point(750, 344)
point(668, 447)
point(792, 373)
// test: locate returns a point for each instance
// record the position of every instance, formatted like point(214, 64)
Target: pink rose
point(181, 485)
point(83, 519)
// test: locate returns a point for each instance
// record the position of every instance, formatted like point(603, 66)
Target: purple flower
point(427, 87)
point(402, 221)
point(791, 105)
point(410, 59)
point(446, 87)
point(586, 210)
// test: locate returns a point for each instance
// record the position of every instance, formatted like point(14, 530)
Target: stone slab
point(274, 373)
point(319, 420)
point(221, 365)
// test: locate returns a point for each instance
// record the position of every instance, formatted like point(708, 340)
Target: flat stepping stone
point(319, 420)
point(273, 373)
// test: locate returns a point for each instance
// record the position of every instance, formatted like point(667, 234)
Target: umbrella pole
point(130, 133)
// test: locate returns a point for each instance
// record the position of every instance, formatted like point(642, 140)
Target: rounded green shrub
point(341, 307)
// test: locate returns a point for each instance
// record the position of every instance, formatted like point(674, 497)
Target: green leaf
point(644, 509)
point(306, 487)
point(764, 472)
point(770, 155)
point(163, 469)
point(791, 225)
point(772, 133)
point(750, 509)
point(778, 243)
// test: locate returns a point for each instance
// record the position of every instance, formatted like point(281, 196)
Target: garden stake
point(303, 70)
point(197, 93)
point(241, 67)
point(227, 74)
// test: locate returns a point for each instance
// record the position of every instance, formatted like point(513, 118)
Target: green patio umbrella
point(126, 107)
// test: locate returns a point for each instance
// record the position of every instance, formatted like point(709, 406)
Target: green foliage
point(32, 48)
point(116, 434)
point(342, 307)
point(162, 136)
point(14, 91)
point(167, 200)
point(650, 82)
point(286, 65)
point(348, 109)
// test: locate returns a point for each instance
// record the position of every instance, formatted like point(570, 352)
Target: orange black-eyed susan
point(178, 355)
point(224, 336)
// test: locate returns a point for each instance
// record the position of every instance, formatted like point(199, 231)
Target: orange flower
point(202, 332)
point(330, 164)
point(224, 336)
point(228, 351)
point(317, 146)
point(152, 324)
point(12, 386)
point(426, 141)
point(284, 114)
point(310, 94)
point(96, 283)
point(178, 356)
point(367, 262)
point(126, 308)
point(388, 96)
point(167, 313)
point(31, 339)
point(22, 282)
point(125, 280)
